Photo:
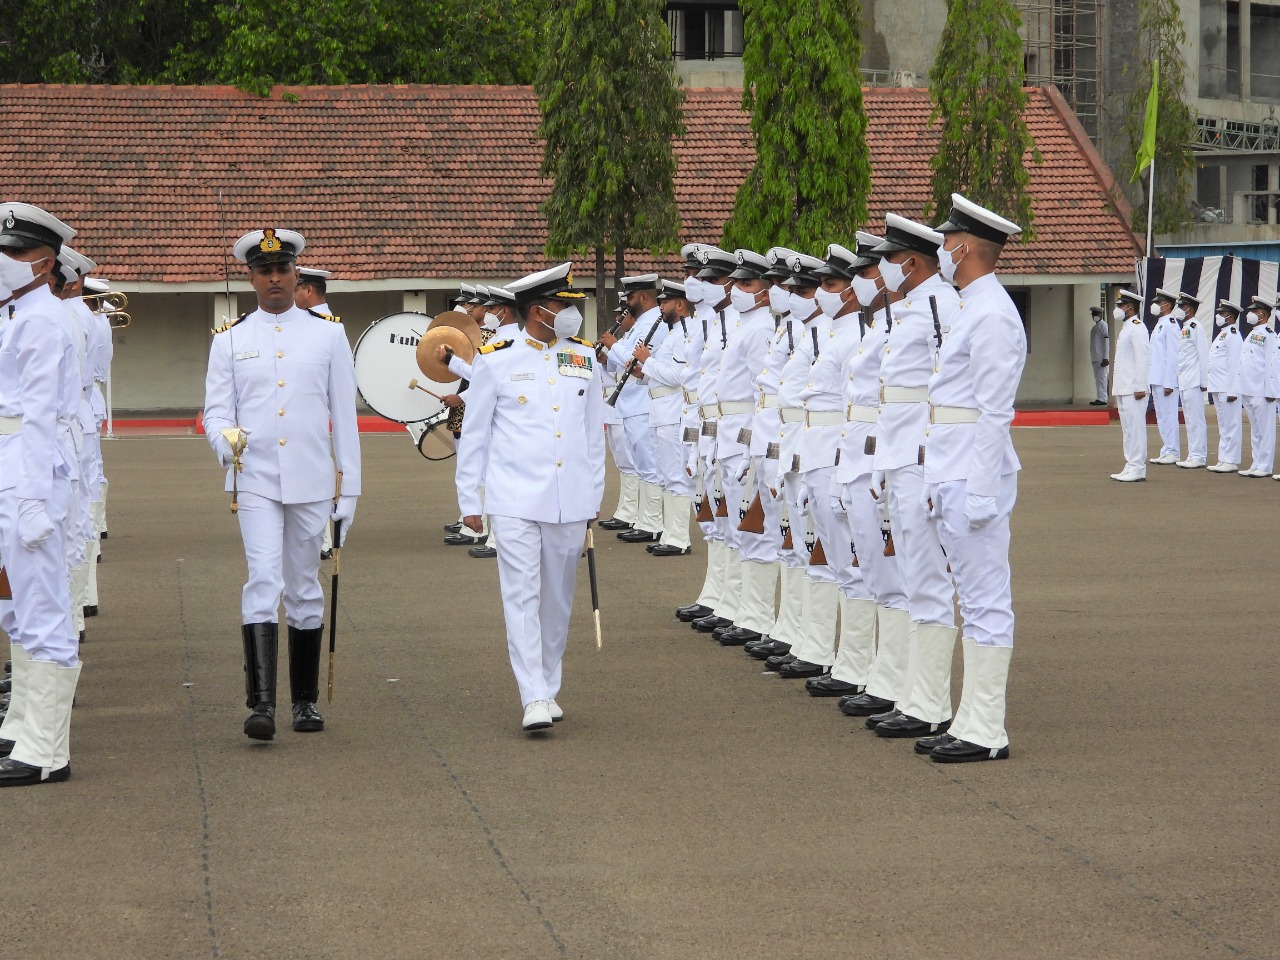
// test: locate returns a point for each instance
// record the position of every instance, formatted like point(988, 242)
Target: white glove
point(979, 511)
point(34, 525)
point(344, 510)
point(877, 485)
point(926, 498)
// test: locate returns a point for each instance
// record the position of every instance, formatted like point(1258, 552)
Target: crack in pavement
point(205, 844)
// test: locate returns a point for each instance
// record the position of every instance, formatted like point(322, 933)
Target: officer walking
point(280, 375)
point(537, 452)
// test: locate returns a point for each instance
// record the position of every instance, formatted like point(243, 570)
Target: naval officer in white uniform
point(535, 461)
point(1224, 360)
point(283, 375)
point(1129, 385)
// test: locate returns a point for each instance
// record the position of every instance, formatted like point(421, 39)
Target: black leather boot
point(304, 678)
point(261, 646)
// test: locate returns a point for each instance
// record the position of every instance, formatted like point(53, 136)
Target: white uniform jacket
point(37, 366)
point(634, 399)
point(766, 424)
point(285, 378)
point(1224, 359)
point(740, 362)
point(719, 324)
point(1193, 356)
point(1164, 353)
point(1133, 356)
point(910, 360)
point(665, 372)
point(1255, 374)
point(791, 385)
point(535, 447)
point(979, 369)
point(823, 394)
point(862, 399)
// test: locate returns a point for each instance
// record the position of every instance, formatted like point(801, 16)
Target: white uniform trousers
point(282, 549)
point(880, 576)
point(1197, 428)
point(710, 529)
point(537, 575)
point(1100, 380)
point(629, 487)
point(731, 482)
point(1167, 422)
point(1228, 428)
point(923, 565)
point(38, 619)
point(677, 485)
point(763, 547)
point(644, 453)
point(835, 542)
point(1262, 431)
point(798, 518)
point(1133, 432)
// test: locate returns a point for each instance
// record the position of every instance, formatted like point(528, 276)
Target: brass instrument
point(111, 305)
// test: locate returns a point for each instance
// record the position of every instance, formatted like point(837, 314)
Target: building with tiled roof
point(403, 191)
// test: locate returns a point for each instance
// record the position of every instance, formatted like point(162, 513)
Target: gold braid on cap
point(270, 242)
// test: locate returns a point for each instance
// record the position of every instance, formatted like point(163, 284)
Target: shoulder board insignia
point(227, 326)
point(586, 343)
point(1136, 320)
point(324, 316)
point(1191, 324)
point(496, 345)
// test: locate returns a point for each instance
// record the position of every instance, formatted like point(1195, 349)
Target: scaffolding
point(1061, 46)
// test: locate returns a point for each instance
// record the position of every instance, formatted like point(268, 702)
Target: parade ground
point(690, 805)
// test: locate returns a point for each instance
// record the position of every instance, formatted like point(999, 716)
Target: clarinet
point(612, 332)
point(631, 365)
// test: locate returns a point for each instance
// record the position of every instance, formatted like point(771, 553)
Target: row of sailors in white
point(50, 353)
point(856, 372)
point(1239, 368)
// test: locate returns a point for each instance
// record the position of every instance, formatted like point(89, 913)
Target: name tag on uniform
point(574, 365)
point(247, 355)
point(522, 376)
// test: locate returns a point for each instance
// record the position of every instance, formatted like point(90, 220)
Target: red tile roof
point(440, 182)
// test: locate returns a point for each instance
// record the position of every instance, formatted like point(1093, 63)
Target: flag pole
point(1151, 201)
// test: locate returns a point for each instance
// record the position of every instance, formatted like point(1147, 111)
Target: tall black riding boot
point(261, 645)
point(304, 678)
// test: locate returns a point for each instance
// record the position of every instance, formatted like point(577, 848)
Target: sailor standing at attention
point(1129, 385)
point(1224, 360)
point(279, 376)
point(535, 462)
point(1164, 376)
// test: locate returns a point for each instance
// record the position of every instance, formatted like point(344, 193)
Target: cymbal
point(448, 336)
point(452, 318)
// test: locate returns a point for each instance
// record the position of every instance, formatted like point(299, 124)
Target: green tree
point(1162, 35)
point(611, 107)
point(803, 89)
point(977, 91)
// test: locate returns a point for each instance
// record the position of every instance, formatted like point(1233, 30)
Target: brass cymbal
point(460, 321)
point(451, 337)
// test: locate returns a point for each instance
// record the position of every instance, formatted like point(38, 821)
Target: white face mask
point(1155, 309)
point(1253, 318)
point(830, 303)
point(1179, 314)
point(893, 275)
point(693, 290)
point(802, 307)
point(713, 291)
point(866, 291)
point(741, 300)
point(947, 264)
point(16, 274)
point(779, 299)
point(1117, 315)
point(567, 322)
point(1223, 320)
point(491, 321)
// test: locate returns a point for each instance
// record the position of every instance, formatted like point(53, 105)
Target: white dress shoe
point(1189, 464)
point(536, 716)
point(556, 711)
point(1167, 458)
point(1251, 473)
point(1224, 468)
point(1127, 477)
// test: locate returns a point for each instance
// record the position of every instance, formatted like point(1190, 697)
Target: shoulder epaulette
point(586, 343)
point(496, 345)
point(1137, 319)
point(324, 316)
point(227, 326)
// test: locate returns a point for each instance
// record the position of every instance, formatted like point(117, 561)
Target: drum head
point(386, 360)
point(437, 442)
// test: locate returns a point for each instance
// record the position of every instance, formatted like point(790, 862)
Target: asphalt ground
point(689, 806)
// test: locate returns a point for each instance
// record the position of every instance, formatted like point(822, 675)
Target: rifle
point(631, 364)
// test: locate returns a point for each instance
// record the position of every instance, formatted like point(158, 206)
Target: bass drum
point(433, 439)
point(386, 357)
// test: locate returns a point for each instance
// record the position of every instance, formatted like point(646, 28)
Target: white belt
point(953, 415)
point(656, 393)
point(10, 425)
point(735, 407)
point(691, 396)
point(904, 394)
point(856, 414)
point(793, 415)
point(710, 411)
point(769, 400)
point(825, 418)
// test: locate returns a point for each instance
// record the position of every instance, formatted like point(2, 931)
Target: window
point(704, 29)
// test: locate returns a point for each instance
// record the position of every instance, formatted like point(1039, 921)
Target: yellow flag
point(1147, 148)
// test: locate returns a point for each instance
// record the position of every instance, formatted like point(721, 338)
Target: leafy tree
point(611, 107)
point(803, 89)
point(1162, 36)
point(977, 90)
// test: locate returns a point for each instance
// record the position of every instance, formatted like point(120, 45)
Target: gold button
point(522, 399)
point(547, 357)
point(556, 408)
point(283, 441)
point(551, 379)
point(279, 330)
point(559, 463)
point(280, 412)
point(279, 383)
point(557, 433)
point(279, 353)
